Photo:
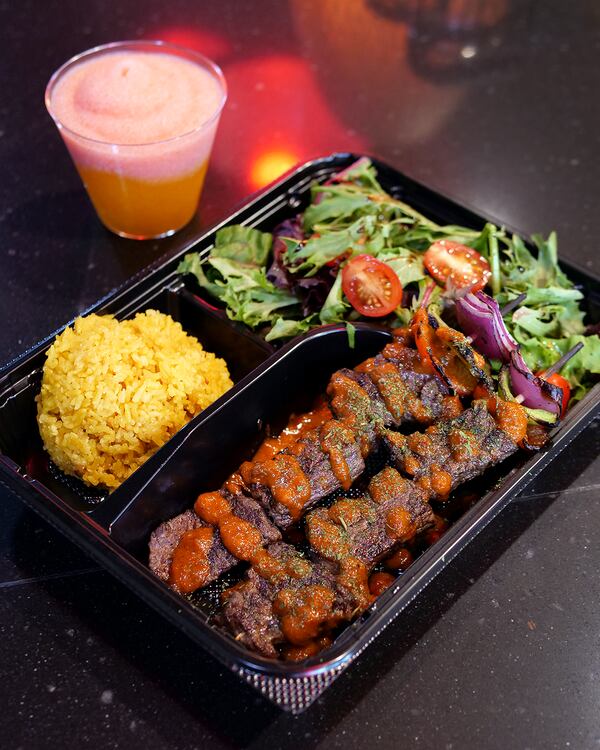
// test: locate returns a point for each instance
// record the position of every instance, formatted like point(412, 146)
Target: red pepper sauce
point(189, 565)
point(289, 485)
point(510, 417)
point(326, 537)
point(451, 407)
point(421, 444)
point(464, 444)
point(441, 481)
point(354, 576)
point(334, 437)
point(239, 536)
point(304, 612)
point(399, 524)
point(352, 405)
point(391, 387)
point(297, 427)
point(387, 485)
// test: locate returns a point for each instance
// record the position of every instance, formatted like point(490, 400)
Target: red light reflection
point(270, 165)
point(209, 43)
point(276, 117)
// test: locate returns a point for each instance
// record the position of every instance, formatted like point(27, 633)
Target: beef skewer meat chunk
point(196, 547)
point(371, 527)
point(391, 389)
point(293, 601)
point(411, 390)
point(453, 451)
point(324, 460)
point(186, 553)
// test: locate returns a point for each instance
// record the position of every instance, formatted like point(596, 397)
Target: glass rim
point(179, 51)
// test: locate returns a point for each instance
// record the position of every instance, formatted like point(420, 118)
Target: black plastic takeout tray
point(269, 385)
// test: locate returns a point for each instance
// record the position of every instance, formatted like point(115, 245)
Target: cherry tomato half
point(458, 264)
point(372, 287)
point(564, 386)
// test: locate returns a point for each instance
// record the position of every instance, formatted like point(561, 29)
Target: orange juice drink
point(139, 120)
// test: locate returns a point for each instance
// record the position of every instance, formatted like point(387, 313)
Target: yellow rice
point(114, 392)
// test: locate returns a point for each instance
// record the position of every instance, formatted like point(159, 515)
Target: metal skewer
point(510, 306)
point(560, 363)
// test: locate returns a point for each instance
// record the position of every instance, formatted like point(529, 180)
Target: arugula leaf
point(307, 258)
point(362, 172)
point(192, 264)
point(334, 309)
point(242, 244)
point(407, 266)
point(541, 322)
point(338, 206)
point(548, 271)
point(244, 289)
point(284, 328)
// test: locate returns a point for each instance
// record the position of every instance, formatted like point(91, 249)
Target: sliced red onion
point(480, 318)
point(537, 393)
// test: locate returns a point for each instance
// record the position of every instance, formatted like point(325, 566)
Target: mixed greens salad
point(357, 252)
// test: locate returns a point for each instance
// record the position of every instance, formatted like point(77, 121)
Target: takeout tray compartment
point(19, 437)
point(113, 532)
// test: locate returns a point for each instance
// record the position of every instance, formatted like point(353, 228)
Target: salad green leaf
point(284, 328)
point(334, 309)
point(243, 244)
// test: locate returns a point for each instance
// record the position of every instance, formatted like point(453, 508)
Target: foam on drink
point(140, 127)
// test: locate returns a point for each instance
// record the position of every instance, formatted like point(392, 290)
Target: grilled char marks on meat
point(371, 527)
point(392, 389)
point(452, 451)
point(167, 538)
point(290, 602)
point(355, 400)
point(252, 512)
point(324, 460)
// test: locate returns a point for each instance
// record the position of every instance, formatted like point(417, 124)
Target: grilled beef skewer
point(346, 540)
point(323, 460)
point(360, 532)
point(391, 389)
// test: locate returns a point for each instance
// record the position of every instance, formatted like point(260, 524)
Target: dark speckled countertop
point(496, 106)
